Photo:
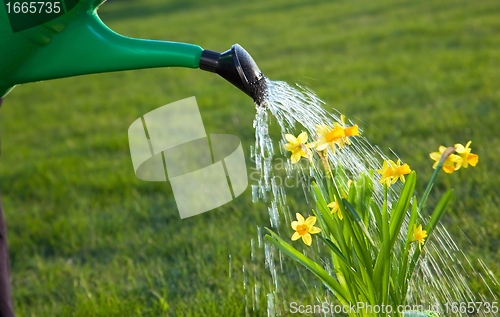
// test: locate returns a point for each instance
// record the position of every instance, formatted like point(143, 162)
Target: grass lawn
point(87, 238)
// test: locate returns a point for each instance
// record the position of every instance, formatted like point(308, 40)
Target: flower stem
point(444, 156)
point(429, 187)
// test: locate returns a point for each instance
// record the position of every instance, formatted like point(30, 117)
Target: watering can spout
point(79, 43)
point(238, 67)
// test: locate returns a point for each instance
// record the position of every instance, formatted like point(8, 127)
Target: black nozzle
point(239, 68)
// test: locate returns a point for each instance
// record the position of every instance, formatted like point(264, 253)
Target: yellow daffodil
point(400, 171)
point(419, 235)
point(466, 155)
point(328, 137)
point(449, 164)
point(335, 208)
point(337, 134)
point(304, 228)
point(351, 131)
point(387, 172)
point(393, 170)
point(298, 147)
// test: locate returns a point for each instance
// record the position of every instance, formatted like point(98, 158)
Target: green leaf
point(398, 214)
point(411, 223)
point(364, 190)
point(358, 238)
point(359, 221)
point(340, 175)
point(355, 258)
point(338, 231)
point(439, 211)
point(351, 271)
point(360, 202)
point(336, 250)
point(352, 194)
point(369, 286)
point(431, 225)
point(403, 269)
point(382, 268)
point(324, 212)
point(378, 218)
point(310, 265)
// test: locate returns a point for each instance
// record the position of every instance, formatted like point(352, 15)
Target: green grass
point(89, 239)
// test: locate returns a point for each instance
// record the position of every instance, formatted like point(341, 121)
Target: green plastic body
point(78, 43)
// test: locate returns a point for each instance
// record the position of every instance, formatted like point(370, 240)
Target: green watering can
point(46, 39)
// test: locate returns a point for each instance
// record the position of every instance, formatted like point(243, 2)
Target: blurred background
point(87, 238)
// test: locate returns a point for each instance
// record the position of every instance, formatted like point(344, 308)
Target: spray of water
point(441, 275)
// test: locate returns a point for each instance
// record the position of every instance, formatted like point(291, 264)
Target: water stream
point(442, 274)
